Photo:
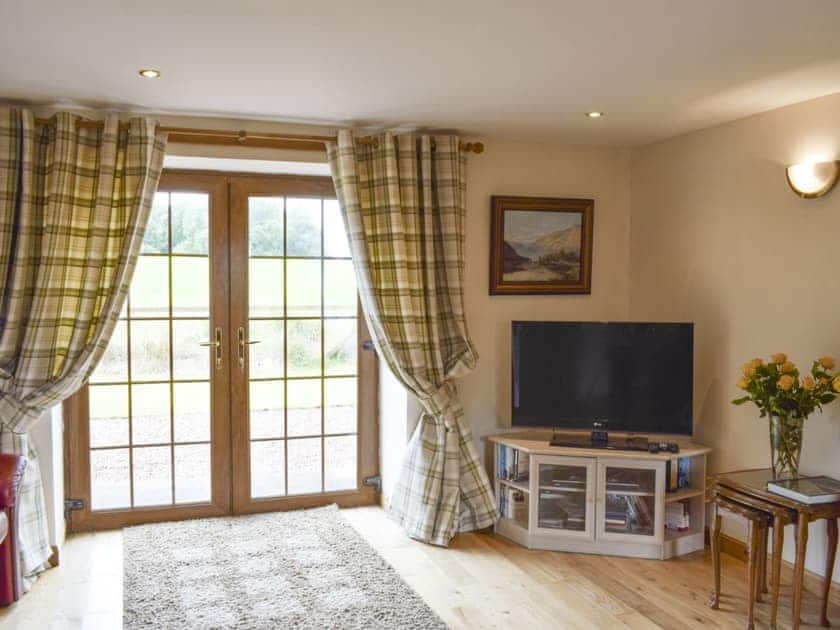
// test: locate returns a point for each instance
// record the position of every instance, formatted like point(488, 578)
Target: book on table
point(808, 490)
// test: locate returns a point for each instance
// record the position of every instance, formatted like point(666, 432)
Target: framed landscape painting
point(540, 246)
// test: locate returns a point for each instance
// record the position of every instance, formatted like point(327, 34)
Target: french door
point(235, 380)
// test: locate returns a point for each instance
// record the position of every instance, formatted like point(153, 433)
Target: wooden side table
point(752, 484)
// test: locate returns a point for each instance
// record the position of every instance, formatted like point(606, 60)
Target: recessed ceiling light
point(149, 73)
point(594, 114)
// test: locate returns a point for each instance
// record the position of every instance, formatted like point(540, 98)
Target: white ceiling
point(524, 70)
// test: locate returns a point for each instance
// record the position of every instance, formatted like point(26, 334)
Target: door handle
point(217, 345)
point(240, 333)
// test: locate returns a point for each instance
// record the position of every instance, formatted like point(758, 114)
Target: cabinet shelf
point(563, 489)
point(631, 493)
point(519, 485)
point(673, 534)
point(685, 493)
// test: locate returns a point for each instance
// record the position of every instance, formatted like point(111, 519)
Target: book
point(677, 516)
point(683, 469)
point(808, 490)
point(677, 474)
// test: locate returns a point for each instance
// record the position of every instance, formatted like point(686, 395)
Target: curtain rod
point(186, 135)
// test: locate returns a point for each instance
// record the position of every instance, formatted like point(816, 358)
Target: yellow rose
point(779, 357)
point(785, 382)
point(808, 383)
point(748, 369)
point(828, 362)
point(823, 380)
point(743, 384)
point(787, 367)
point(836, 384)
point(756, 363)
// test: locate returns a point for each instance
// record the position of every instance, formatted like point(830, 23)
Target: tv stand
point(600, 439)
point(585, 498)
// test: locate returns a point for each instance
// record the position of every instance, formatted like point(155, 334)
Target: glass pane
point(303, 295)
point(304, 347)
point(339, 288)
point(108, 415)
point(152, 476)
point(267, 469)
point(110, 479)
point(630, 501)
point(335, 238)
point(190, 223)
point(629, 514)
point(339, 346)
point(265, 359)
point(190, 287)
point(340, 401)
point(192, 412)
point(304, 407)
point(637, 480)
point(340, 463)
point(156, 238)
point(567, 478)
point(149, 291)
point(303, 227)
point(149, 350)
point(562, 503)
point(192, 473)
point(150, 414)
point(265, 226)
point(265, 287)
point(113, 366)
point(562, 510)
point(267, 407)
point(304, 466)
point(191, 361)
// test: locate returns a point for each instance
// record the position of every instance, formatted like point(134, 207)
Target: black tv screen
point(634, 377)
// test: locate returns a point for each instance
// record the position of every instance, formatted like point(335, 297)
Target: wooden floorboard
point(485, 581)
point(481, 581)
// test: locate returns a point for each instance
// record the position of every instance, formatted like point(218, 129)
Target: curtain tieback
point(442, 405)
point(13, 413)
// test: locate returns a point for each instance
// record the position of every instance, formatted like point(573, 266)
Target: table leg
point(799, 567)
point(762, 576)
point(831, 532)
point(715, 536)
point(778, 541)
point(753, 535)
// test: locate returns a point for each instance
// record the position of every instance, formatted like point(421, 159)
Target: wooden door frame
point(230, 440)
point(77, 436)
point(241, 186)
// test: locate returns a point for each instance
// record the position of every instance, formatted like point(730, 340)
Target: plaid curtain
point(403, 202)
point(74, 203)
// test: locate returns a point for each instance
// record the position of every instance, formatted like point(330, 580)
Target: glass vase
point(785, 446)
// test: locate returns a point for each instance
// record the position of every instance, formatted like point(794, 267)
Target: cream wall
point(718, 238)
point(549, 171)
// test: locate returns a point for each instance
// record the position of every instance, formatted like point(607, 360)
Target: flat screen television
point(632, 377)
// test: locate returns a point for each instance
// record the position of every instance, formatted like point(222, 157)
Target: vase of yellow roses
point(787, 399)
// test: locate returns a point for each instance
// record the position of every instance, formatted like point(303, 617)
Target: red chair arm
point(11, 474)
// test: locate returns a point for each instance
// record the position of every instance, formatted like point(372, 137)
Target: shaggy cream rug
point(302, 569)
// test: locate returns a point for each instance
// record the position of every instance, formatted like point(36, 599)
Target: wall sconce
point(814, 179)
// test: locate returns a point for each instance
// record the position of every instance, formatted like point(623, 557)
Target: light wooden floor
point(481, 581)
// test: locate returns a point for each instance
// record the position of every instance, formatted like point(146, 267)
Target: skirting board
point(812, 582)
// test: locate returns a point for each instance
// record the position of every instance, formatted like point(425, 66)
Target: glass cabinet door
point(627, 499)
point(566, 491)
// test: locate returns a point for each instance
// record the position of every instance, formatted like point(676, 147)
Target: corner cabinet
point(600, 501)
